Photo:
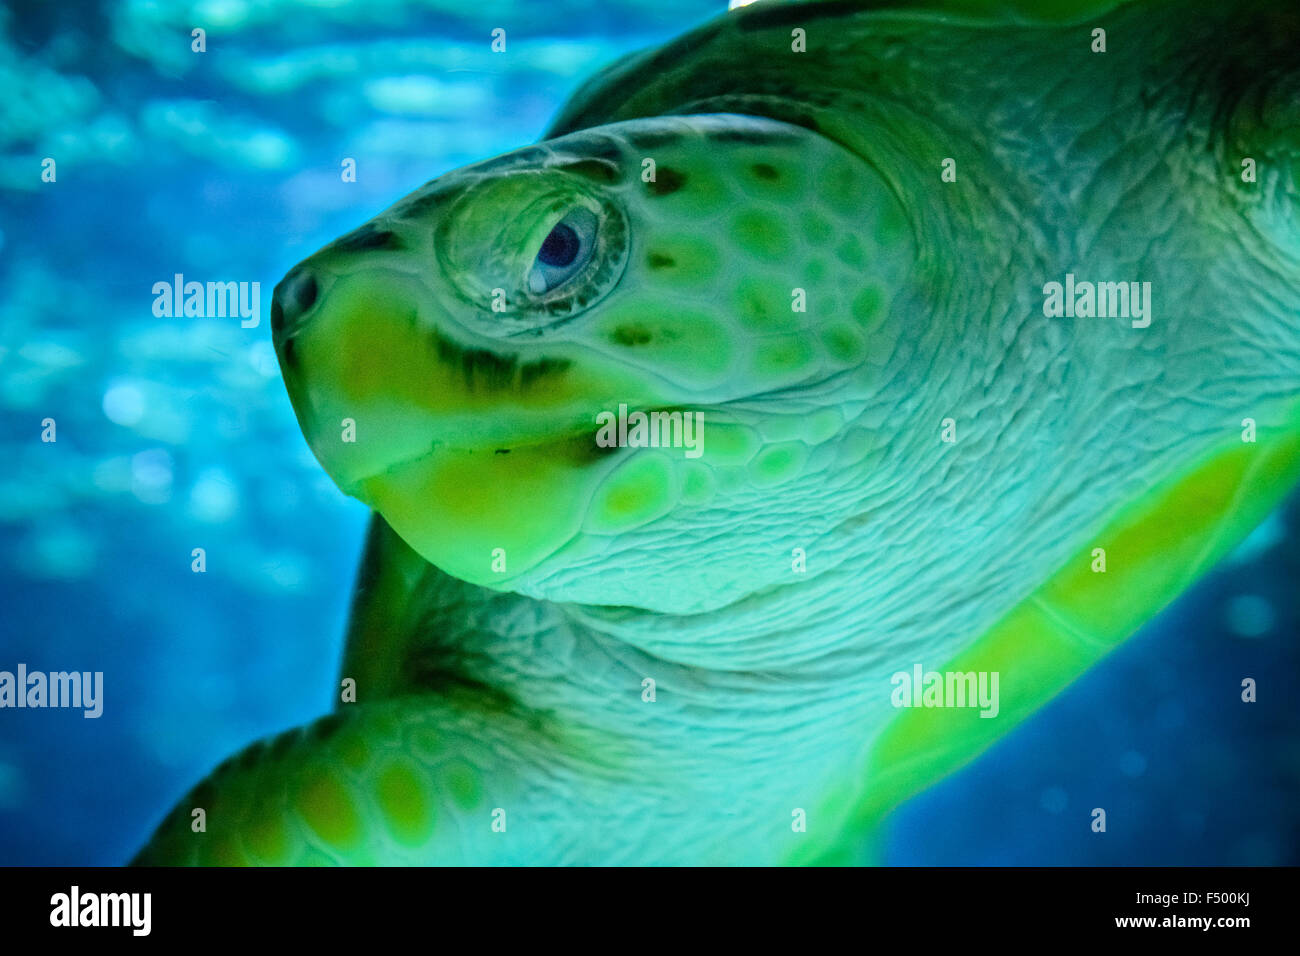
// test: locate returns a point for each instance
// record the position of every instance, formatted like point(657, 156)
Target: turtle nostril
point(305, 291)
point(293, 299)
point(287, 350)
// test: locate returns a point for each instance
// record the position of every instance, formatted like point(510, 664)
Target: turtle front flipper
point(411, 781)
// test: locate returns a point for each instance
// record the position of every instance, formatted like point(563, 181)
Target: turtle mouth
point(576, 446)
point(564, 446)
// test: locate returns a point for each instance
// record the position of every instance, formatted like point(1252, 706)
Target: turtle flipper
point(409, 781)
point(404, 774)
point(1155, 547)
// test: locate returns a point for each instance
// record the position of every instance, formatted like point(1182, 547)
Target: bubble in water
point(124, 404)
point(1249, 615)
point(214, 497)
point(11, 787)
point(287, 570)
point(151, 476)
point(1132, 764)
point(1053, 800)
point(59, 551)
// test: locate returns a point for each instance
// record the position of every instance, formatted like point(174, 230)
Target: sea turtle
point(885, 251)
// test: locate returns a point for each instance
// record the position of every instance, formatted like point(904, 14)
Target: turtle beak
point(450, 437)
point(354, 360)
point(381, 374)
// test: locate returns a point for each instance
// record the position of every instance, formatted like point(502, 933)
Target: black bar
point(303, 907)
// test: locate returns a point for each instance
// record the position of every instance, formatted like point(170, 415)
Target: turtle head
point(590, 352)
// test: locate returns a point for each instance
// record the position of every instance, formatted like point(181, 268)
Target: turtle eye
point(565, 250)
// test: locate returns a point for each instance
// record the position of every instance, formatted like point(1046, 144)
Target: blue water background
point(175, 434)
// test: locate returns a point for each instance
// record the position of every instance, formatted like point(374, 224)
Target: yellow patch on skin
point(729, 444)
point(843, 343)
point(783, 355)
point(761, 234)
point(642, 489)
point(406, 808)
point(323, 802)
point(391, 359)
point(456, 507)
point(777, 464)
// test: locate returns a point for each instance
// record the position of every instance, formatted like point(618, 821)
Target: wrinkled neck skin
point(915, 546)
point(563, 689)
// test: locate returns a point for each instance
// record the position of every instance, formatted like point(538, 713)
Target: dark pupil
point(560, 247)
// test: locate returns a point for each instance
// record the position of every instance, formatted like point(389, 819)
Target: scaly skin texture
point(521, 584)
